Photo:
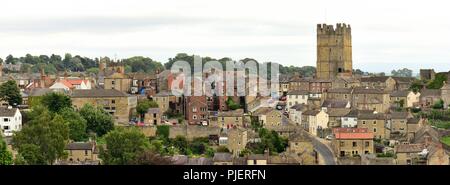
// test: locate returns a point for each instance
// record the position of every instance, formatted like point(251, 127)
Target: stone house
point(229, 119)
point(296, 97)
point(375, 123)
point(379, 82)
point(301, 147)
point(427, 74)
point(335, 116)
point(268, 117)
point(153, 116)
point(316, 120)
point(295, 113)
point(403, 83)
point(445, 93)
point(344, 94)
point(119, 104)
point(257, 159)
point(371, 99)
point(352, 141)
point(81, 152)
point(409, 98)
point(428, 97)
point(119, 81)
point(237, 140)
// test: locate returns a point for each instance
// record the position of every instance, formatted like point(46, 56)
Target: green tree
point(143, 107)
point(5, 155)
point(10, 93)
point(98, 121)
point(43, 139)
point(77, 124)
point(438, 81)
point(222, 149)
point(93, 70)
point(181, 143)
point(56, 102)
point(402, 72)
point(123, 146)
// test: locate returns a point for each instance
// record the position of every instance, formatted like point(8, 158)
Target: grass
point(446, 140)
point(440, 124)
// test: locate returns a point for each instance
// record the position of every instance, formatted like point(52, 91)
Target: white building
point(10, 120)
point(295, 113)
point(350, 120)
point(296, 97)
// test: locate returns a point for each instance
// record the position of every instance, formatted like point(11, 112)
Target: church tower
point(334, 51)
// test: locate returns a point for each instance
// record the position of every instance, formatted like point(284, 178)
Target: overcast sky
point(386, 34)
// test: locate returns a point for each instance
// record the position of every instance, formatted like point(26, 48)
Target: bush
point(163, 131)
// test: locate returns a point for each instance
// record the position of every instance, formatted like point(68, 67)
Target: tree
point(123, 146)
point(222, 149)
point(402, 72)
point(56, 102)
point(438, 81)
point(232, 105)
point(5, 155)
point(98, 121)
point(77, 124)
point(149, 157)
point(43, 139)
point(143, 107)
point(181, 143)
point(416, 86)
point(10, 93)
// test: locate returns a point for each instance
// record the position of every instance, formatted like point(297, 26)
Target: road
point(324, 151)
point(319, 144)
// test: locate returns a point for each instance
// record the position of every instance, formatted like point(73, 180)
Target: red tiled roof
point(352, 133)
point(67, 84)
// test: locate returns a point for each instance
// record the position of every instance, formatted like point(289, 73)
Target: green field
point(446, 140)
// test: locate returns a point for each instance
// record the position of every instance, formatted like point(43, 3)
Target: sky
point(386, 34)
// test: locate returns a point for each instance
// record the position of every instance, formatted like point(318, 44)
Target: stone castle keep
point(334, 51)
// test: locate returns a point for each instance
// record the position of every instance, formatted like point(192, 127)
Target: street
point(323, 150)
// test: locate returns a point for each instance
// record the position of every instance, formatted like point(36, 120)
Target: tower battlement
point(341, 28)
point(334, 51)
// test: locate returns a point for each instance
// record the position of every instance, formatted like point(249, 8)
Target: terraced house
point(119, 104)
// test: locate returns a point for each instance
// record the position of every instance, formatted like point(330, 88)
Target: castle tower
point(334, 51)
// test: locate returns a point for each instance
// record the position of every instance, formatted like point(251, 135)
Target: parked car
point(329, 137)
point(8, 133)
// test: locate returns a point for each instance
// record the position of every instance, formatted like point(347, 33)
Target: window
point(367, 143)
point(86, 152)
point(374, 130)
point(342, 144)
point(194, 109)
point(354, 144)
point(374, 122)
point(113, 82)
point(113, 101)
point(5, 119)
point(363, 122)
point(5, 127)
point(154, 115)
point(194, 117)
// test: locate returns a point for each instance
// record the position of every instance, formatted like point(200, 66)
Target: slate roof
point(378, 116)
point(79, 146)
point(222, 157)
point(400, 93)
point(340, 90)
point(298, 92)
point(410, 148)
point(93, 93)
point(335, 103)
point(375, 79)
point(6, 112)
